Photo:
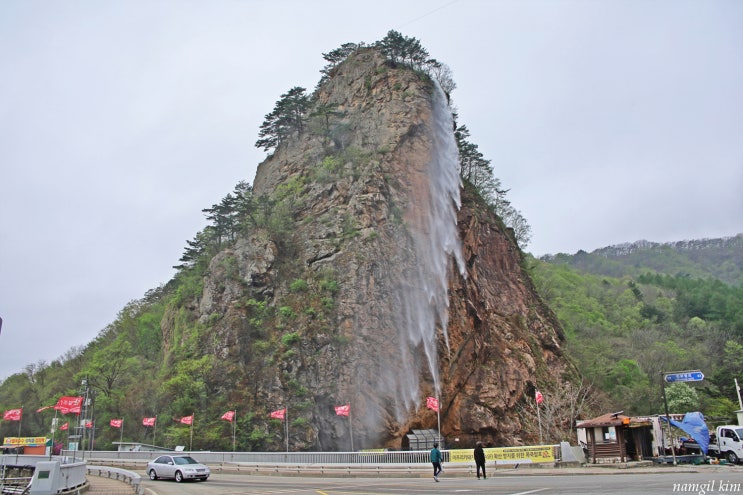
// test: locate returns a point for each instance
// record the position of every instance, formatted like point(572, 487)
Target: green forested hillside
point(721, 259)
point(630, 315)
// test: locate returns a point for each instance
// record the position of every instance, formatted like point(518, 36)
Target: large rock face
point(343, 297)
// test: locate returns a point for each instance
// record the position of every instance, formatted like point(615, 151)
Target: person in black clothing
point(480, 460)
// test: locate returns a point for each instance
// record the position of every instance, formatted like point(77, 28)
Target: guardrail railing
point(118, 474)
point(207, 457)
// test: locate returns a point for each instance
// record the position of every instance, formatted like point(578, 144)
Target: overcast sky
point(609, 121)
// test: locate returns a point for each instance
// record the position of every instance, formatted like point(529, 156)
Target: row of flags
point(17, 414)
point(67, 405)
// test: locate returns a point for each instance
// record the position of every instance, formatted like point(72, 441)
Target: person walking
point(436, 461)
point(480, 460)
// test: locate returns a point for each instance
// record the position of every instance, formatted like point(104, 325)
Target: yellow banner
point(507, 455)
point(23, 441)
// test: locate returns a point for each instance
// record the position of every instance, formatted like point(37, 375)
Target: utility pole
point(668, 420)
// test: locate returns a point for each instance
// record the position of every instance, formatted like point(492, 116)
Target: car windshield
point(184, 460)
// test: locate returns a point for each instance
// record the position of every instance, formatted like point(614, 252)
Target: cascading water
point(423, 298)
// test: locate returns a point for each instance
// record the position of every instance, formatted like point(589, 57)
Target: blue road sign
point(684, 376)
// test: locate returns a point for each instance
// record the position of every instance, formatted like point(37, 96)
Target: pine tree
point(401, 49)
point(286, 119)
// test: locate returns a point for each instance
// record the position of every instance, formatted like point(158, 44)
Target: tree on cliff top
point(402, 49)
point(286, 118)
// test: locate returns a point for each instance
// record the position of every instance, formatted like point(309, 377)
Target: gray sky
point(610, 121)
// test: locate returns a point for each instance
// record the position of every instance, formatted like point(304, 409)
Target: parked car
point(177, 467)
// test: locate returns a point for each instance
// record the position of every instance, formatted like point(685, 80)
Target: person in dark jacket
point(480, 460)
point(436, 460)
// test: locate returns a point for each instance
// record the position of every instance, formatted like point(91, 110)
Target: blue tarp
point(693, 424)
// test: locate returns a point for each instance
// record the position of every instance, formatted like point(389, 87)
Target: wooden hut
point(614, 437)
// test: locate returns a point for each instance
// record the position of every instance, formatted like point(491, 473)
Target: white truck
point(727, 443)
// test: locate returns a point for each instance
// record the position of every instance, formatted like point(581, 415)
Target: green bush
point(298, 285)
point(287, 312)
point(290, 339)
point(329, 285)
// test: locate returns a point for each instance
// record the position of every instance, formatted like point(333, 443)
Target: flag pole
point(92, 436)
point(234, 428)
point(286, 427)
point(20, 421)
point(154, 432)
point(539, 419)
point(190, 444)
point(350, 424)
point(438, 417)
point(121, 433)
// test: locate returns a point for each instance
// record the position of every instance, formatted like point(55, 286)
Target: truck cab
point(728, 443)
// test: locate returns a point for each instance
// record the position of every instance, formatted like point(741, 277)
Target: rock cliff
point(374, 279)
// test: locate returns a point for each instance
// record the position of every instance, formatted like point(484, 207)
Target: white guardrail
point(118, 474)
point(208, 457)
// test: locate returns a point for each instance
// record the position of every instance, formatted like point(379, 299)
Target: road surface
point(701, 482)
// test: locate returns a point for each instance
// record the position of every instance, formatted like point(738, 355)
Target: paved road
point(106, 486)
point(701, 482)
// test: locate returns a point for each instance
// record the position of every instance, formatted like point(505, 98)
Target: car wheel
point(178, 476)
point(732, 458)
point(153, 474)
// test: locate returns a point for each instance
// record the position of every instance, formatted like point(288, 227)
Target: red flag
point(229, 416)
point(13, 415)
point(64, 426)
point(89, 424)
point(432, 403)
point(117, 423)
point(343, 410)
point(149, 421)
point(279, 414)
point(67, 405)
point(187, 420)
point(538, 397)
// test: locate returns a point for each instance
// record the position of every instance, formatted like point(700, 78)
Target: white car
point(177, 467)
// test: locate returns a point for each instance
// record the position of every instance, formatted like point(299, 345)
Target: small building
point(614, 437)
point(422, 440)
point(139, 447)
point(26, 445)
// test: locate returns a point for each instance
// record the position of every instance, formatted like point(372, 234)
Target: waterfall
point(432, 223)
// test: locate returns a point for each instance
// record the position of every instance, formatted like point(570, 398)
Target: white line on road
point(531, 491)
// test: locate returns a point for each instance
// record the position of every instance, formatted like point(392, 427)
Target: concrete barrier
point(52, 477)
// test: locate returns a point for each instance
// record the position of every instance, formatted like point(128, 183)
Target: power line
point(429, 13)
